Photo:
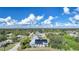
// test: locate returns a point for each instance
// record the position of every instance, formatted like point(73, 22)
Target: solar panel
point(40, 41)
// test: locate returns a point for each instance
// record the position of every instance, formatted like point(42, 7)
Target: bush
point(23, 46)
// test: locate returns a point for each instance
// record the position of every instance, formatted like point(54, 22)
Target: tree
point(5, 45)
point(3, 32)
point(25, 42)
point(77, 39)
point(2, 38)
point(13, 38)
point(57, 42)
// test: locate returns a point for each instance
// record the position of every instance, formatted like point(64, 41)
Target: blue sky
point(47, 17)
point(20, 12)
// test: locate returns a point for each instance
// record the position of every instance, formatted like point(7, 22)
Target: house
point(9, 36)
point(41, 43)
point(2, 43)
point(9, 41)
point(31, 35)
point(5, 42)
point(20, 36)
point(40, 35)
point(72, 33)
point(37, 42)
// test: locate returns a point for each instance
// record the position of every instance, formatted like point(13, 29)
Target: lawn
point(7, 48)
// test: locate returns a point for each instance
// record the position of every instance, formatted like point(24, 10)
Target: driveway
point(15, 47)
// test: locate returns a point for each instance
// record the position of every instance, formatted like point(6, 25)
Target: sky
point(39, 17)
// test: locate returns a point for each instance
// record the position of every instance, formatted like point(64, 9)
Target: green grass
point(71, 42)
point(7, 48)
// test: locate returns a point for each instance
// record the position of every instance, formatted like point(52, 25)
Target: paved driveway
point(15, 47)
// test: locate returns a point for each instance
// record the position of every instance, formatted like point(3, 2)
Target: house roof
point(40, 41)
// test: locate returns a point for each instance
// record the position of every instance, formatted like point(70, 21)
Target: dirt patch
point(40, 49)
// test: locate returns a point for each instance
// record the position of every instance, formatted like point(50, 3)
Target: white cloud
point(77, 9)
point(76, 17)
point(50, 18)
point(8, 21)
point(67, 24)
point(59, 24)
point(31, 19)
point(31, 16)
point(66, 10)
point(39, 17)
point(48, 21)
point(70, 24)
point(72, 20)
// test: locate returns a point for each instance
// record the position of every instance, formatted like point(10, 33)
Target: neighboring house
point(37, 34)
point(32, 35)
point(40, 35)
point(9, 36)
point(9, 41)
point(72, 33)
point(2, 43)
point(5, 42)
point(20, 36)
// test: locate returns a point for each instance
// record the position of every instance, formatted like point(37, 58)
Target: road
point(15, 47)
